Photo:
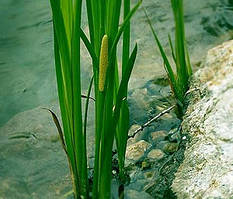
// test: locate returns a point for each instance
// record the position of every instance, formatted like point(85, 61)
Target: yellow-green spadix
point(103, 66)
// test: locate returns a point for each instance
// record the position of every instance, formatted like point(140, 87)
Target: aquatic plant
point(111, 109)
point(179, 79)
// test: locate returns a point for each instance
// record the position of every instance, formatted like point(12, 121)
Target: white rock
point(207, 169)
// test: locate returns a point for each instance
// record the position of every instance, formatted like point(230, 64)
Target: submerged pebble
point(156, 154)
point(170, 147)
point(136, 151)
point(158, 136)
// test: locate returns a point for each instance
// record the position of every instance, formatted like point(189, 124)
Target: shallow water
point(28, 81)
point(26, 57)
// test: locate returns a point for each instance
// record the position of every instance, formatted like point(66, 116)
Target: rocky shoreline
point(207, 169)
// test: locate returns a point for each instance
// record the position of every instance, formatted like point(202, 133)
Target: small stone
point(133, 128)
point(168, 116)
point(170, 147)
point(136, 151)
point(54, 138)
point(158, 136)
point(156, 154)
point(145, 165)
point(165, 91)
point(131, 141)
point(184, 138)
point(148, 174)
point(159, 108)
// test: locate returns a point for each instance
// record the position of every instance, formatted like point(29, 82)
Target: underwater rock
point(158, 135)
point(133, 128)
point(136, 151)
point(32, 161)
point(149, 174)
point(207, 169)
point(156, 154)
point(170, 147)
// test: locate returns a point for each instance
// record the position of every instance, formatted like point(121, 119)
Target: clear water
point(36, 168)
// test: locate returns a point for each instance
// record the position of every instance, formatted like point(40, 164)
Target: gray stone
point(155, 154)
point(207, 169)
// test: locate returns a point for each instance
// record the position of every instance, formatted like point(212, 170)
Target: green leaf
point(172, 49)
point(167, 65)
point(124, 84)
point(124, 25)
point(122, 135)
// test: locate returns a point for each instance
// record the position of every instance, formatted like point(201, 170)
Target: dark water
point(35, 165)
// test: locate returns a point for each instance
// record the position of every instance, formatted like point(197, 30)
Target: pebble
point(138, 136)
point(137, 150)
point(158, 136)
point(170, 147)
point(145, 165)
point(54, 138)
point(156, 154)
point(149, 174)
point(133, 128)
point(131, 141)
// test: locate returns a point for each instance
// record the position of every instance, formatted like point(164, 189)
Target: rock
point(136, 137)
point(142, 98)
point(174, 135)
point(149, 174)
point(131, 141)
point(170, 147)
point(133, 194)
point(166, 91)
point(156, 154)
point(207, 169)
point(145, 165)
point(133, 128)
point(30, 143)
point(136, 151)
point(158, 135)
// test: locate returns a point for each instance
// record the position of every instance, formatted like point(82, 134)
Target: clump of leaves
point(111, 108)
point(179, 78)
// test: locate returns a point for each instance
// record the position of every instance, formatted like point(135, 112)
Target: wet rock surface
point(206, 171)
point(150, 154)
point(136, 151)
point(32, 161)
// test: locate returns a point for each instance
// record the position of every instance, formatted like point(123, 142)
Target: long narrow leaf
point(168, 68)
point(172, 49)
point(124, 84)
point(124, 25)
